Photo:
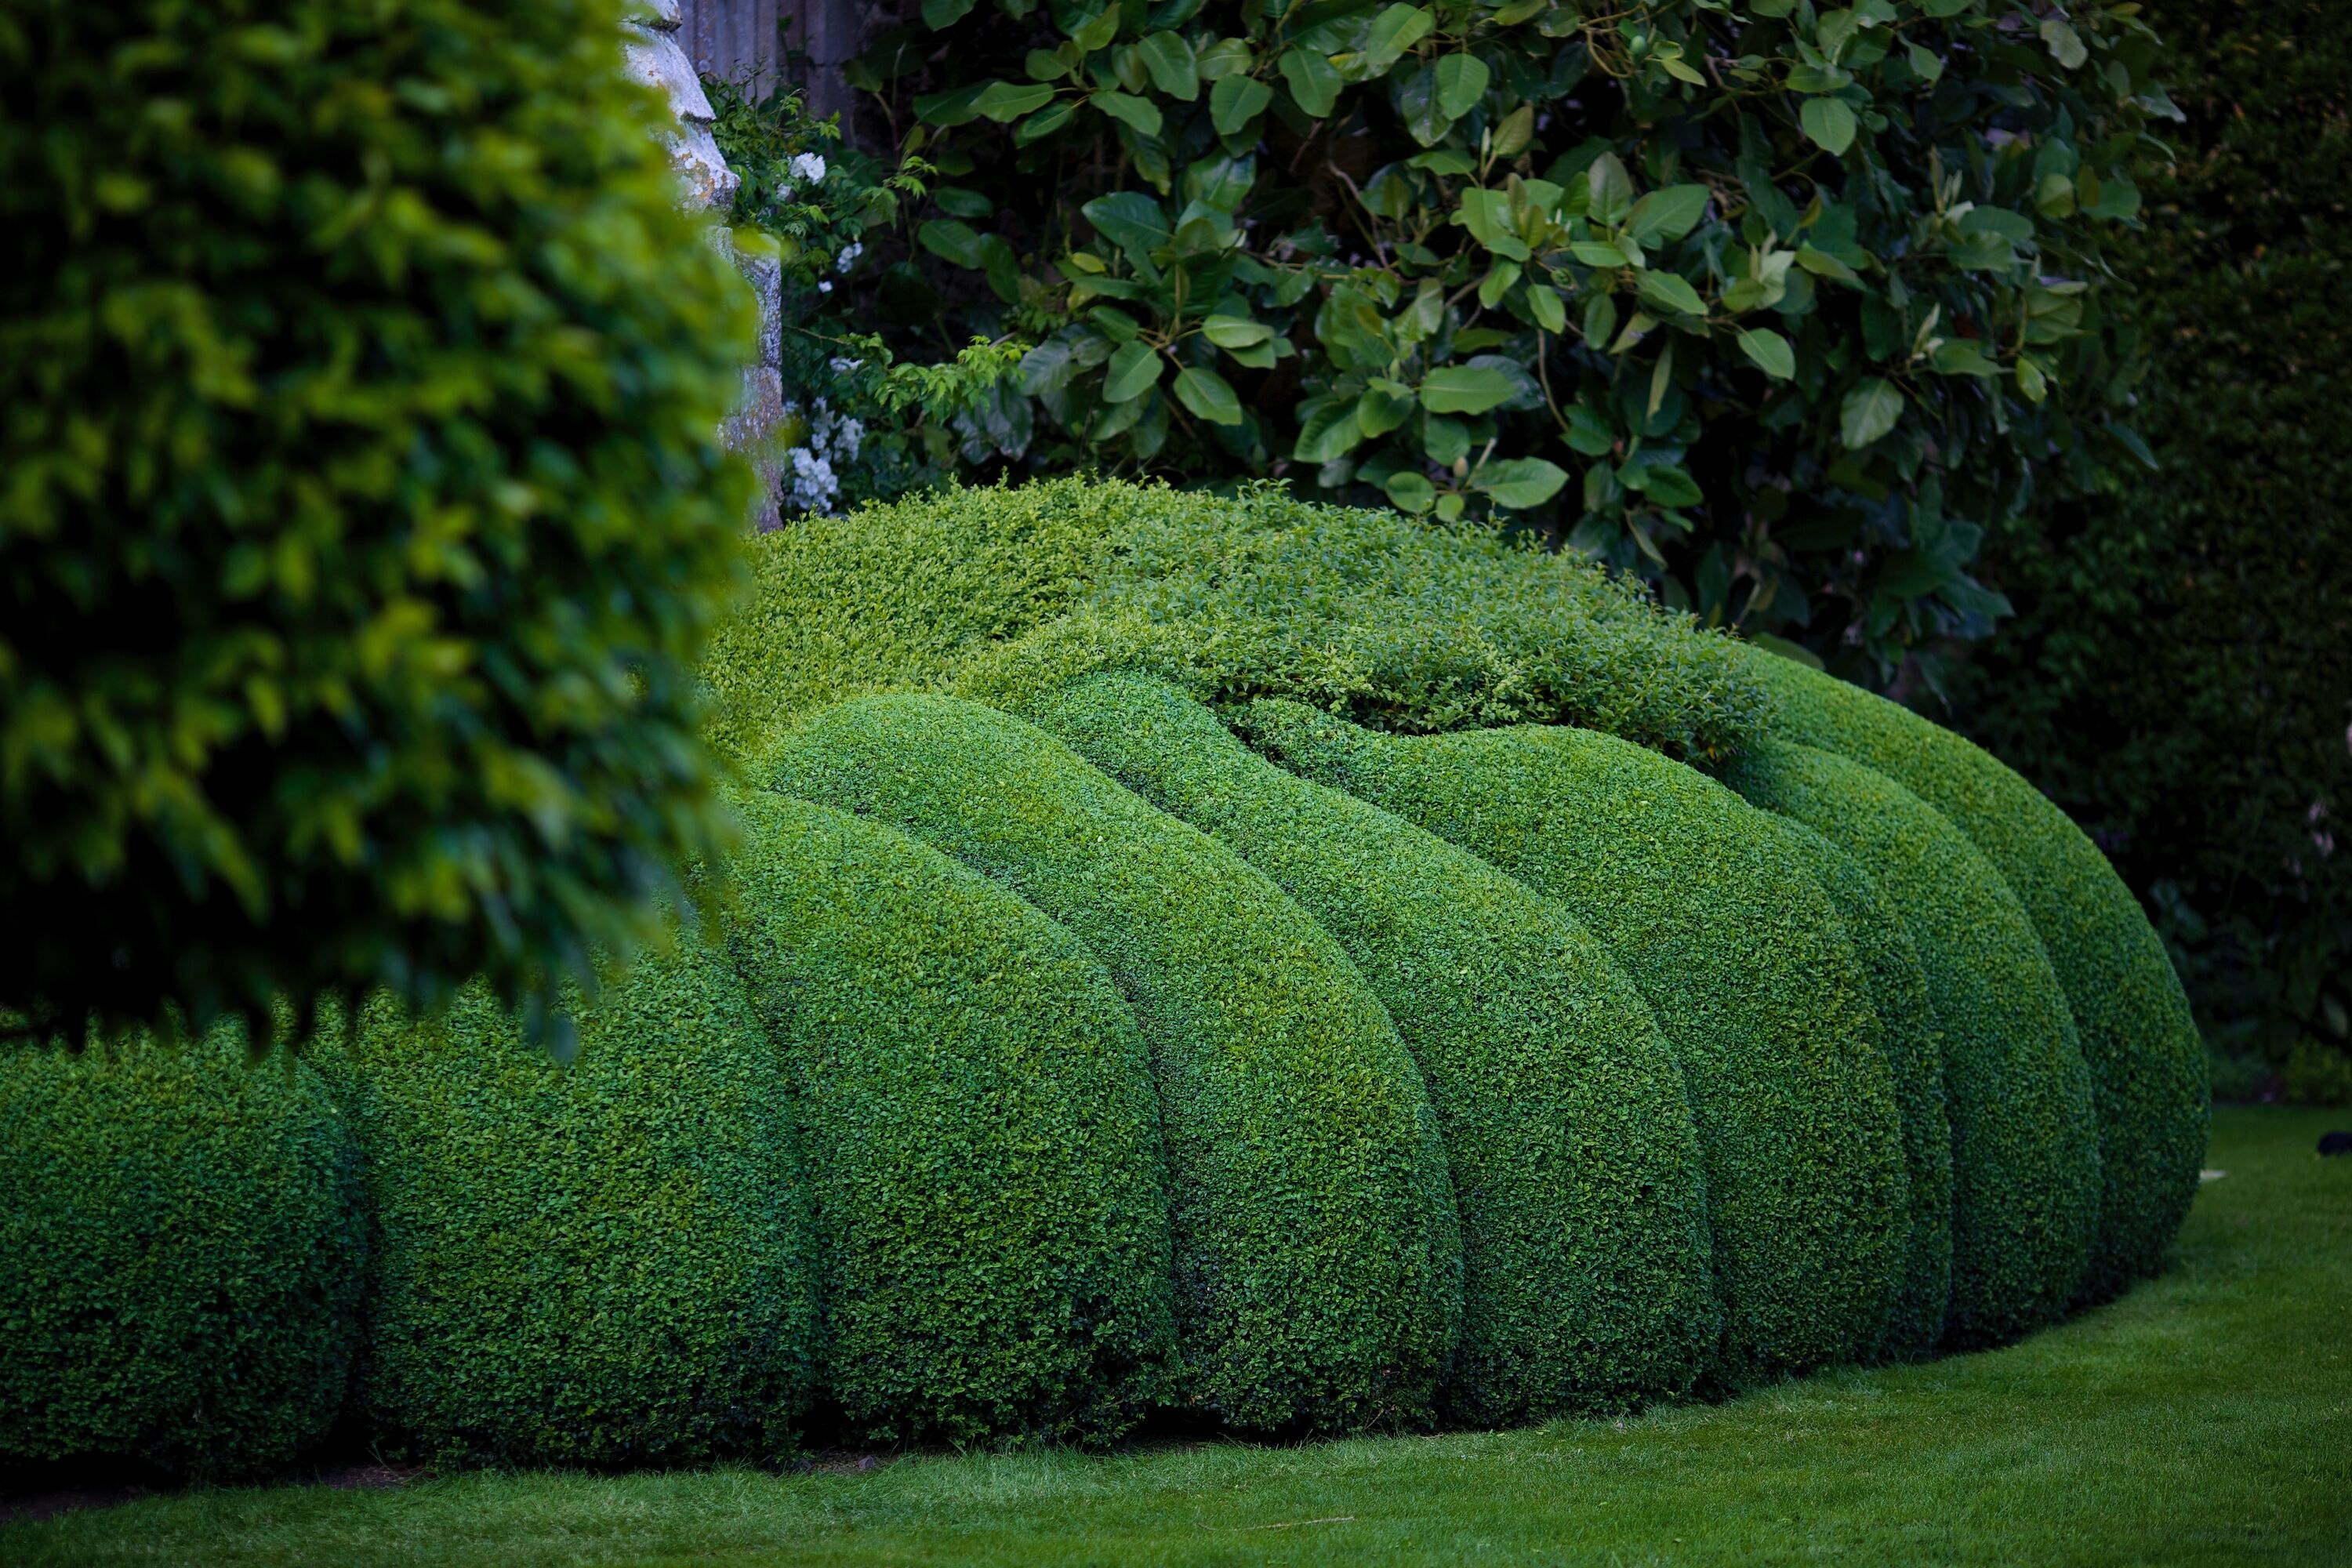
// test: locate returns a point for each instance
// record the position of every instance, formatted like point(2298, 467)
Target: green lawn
point(2208, 1418)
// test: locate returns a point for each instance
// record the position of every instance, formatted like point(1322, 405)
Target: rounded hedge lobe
point(1586, 1275)
point(184, 1249)
point(1745, 967)
point(2025, 1156)
point(975, 1106)
point(1911, 1036)
point(1319, 1255)
point(602, 1264)
point(2148, 1069)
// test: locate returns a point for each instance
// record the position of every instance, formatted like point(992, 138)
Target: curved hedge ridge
point(2025, 1154)
point(975, 1106)
point(184, 1252)
point(1317, 1250)
point(602, 1264)
point(1744, 964)
point(2149, 1072)
point(1586, 1280)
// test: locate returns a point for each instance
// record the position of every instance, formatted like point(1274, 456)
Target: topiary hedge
point(183, 1254)
point(2147, 1066)
point(1586, 1278)
point(602, 1264)
point(982, 1139)
point(1317, 1250)
point(2025, 1159)
point(1742, 960)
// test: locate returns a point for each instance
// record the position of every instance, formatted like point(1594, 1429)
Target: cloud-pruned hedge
point(1586, 1277)
point(608, 1263)
point(1745, 965)
point(1317, 1250)
point(2147, 1065)
point(184, 1252)
point(975, 1106)
point(2025, 1159)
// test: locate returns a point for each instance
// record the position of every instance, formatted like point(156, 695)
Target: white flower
point(808, 166)
point(848, 257)
point(825, 286)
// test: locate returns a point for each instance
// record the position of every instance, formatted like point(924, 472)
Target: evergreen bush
point(1716, 919)
point(975, 1106)
point(1317, 1250)
point(1586, 1277)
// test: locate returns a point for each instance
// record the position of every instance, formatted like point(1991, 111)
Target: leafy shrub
point(2025, 1144)
point(1713, 913)
point(1585, 1255)
point(2146, 1065)
point(603, 1264)
point(1913, 1037)
point(185, 1249)
point(983, 1138)
point(1318, 1260)
point(364, 510)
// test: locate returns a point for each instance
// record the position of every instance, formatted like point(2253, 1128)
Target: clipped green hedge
point(2147, 1065)
point(1586, 1277)
point(1913, 1037)
point(2025, 1161)
point(975, 1106)
point(1317, 1250)
point(602, 1264)
point(1743, 961)
point(182, 1254)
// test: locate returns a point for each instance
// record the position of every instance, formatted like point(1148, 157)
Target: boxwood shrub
point(1743, 961)
point(2148, 1067)
point(1586, 1276)
point(602, 1264)
point(975, 1105)
point(1318, 1258)
point(183, 1253)
point(2025, 1144)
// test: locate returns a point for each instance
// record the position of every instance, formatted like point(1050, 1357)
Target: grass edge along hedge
point(1587, 1277)
point(1319, 1255)
point(601, 1264)
point(2025, 1162)
point(1688, 888)
point(975, 1108)
point(2149, 1076)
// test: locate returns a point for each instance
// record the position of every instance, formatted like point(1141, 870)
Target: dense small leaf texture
point(2147, 1065)
point(1587, 1283)
point(603, 1264)
point(2025, 1143)
point(184, 1254)
point(981, 1133)
point(364, 510)
point(1712, 912)
point(1317, 1250)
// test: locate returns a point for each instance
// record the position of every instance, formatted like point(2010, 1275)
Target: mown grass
point(2205, 1418)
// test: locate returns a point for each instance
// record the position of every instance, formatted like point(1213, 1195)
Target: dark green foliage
point(1585, 1255)
point(363, 511)
point(2146, 1065)
point(983, 1141)
point(1716, 917)
point(1911, 1036)
point(183, 1255)
point(1318, 1251)
point(2025, 1143)
point(606, 1263)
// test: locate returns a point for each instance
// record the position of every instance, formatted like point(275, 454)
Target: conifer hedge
point(1744, 964)
point(975, 1106)
point(181, 1252)
point(602, 1264)
point(1317, 1250)
point(2025, 1161)
point(2147, 1065)
point(1586, 1277)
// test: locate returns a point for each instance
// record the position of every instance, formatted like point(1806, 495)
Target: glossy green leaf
point(952, 240)
point(1460, 82)
point(1520, 482)
point(1769, 351)
point(1174, 71)
point(1134, 371)
point(1545, 305)
point(1394, 31)
point(1234, 101)
point(1208, 396)
point(1131, 220)
point(1385, 405)
point(1670, 293)
point(1139, 112)
point(1667, 214)
point(1006, 101)
point(1314, 84)
point(1466, 389)
point(1869, 411)
point(1328, 429)
point(1830, 123)
point(942, 14)
point(1410, 491)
